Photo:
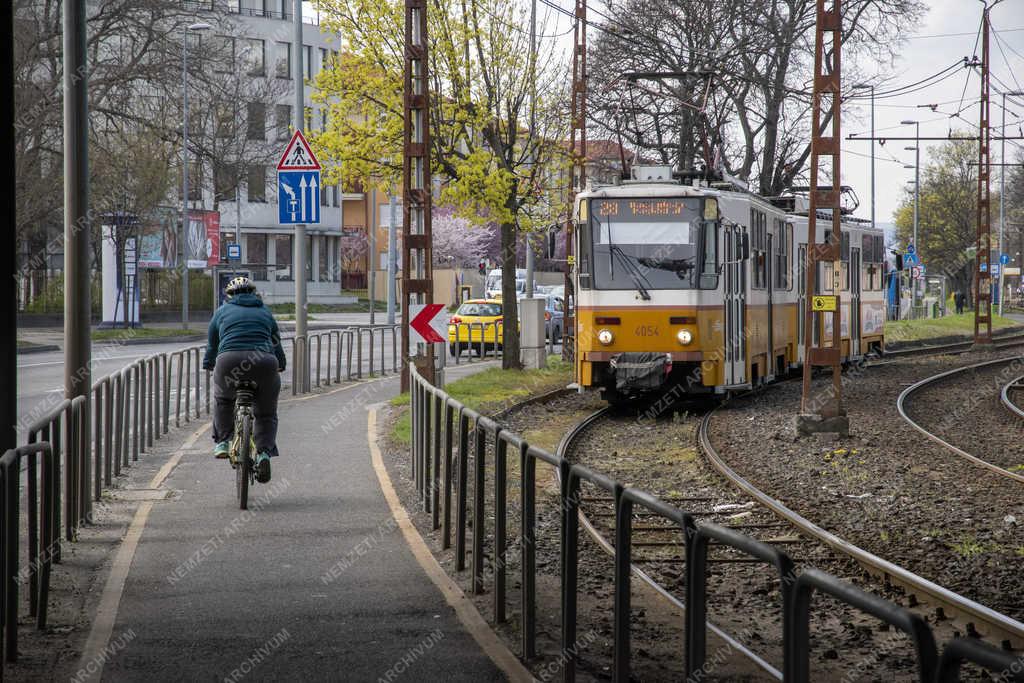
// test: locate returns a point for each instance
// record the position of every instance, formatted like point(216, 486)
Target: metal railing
point(452, 446)
point(475, 335)
point(85, 443)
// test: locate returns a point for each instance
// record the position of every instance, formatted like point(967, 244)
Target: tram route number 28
point(646, 331)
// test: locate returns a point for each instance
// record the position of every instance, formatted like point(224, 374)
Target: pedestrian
point(959, 299)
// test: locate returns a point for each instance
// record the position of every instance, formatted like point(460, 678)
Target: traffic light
point(482, 267)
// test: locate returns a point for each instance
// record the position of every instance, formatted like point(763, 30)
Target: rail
point(450, 440)
point(901, 408)
point(1004, 396)
point(85, 443)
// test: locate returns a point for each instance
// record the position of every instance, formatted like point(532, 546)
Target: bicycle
point(243, 446)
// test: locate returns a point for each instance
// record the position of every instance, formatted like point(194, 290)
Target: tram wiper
point(626, 260)
point(680, 266)
point(634, 273)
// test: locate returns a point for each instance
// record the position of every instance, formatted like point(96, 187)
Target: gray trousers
point(255, 366)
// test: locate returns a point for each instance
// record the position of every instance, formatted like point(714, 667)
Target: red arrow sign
point(421, 322)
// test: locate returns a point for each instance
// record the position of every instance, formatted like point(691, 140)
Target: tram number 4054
point(646, 331)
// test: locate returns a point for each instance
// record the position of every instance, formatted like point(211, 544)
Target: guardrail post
point(570, 569)
point(178, 393)
point(446, 523)
point(348, 355)
point(69, 472)
point(188, 385)
point(479, 522)
point(135, 400)
point(50, 535)
point(394, 349)
point(426, 438)
point(371, 333)
point(500, 534)
point(167, 393)
point(330, 355)
point(623, 551)
point(98, 430)
point(140, 399)
point(337, 363)
point(108, 428)
point(528, 562)
point(209, 379)
point(383, 369)
point(434, 492)
point(414, 408)
point(359, 353)
point(198, 387)
point(9, 472)
point(460, 496)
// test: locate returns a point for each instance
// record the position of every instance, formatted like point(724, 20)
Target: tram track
point(770, 521)
point(970, 402)
point(1014, 386)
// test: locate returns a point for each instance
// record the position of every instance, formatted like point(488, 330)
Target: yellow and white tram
point(702, 287)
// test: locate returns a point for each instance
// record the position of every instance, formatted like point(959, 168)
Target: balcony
point(235, 8)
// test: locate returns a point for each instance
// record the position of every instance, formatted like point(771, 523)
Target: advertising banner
point(158, 239)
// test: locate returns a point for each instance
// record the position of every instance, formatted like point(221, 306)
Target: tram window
point(758, 248)
point(709, 257)
point(782, 265)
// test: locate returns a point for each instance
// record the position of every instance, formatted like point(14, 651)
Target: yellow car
point(475, 317)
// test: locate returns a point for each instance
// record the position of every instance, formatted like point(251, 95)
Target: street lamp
point(864, 86)
point(917, 175)
point(183, 232)
point(1002, 194)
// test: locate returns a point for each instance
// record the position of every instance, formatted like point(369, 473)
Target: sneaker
point(263, 468)
point(220, 451)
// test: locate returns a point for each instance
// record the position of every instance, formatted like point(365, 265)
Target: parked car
point(464, 327)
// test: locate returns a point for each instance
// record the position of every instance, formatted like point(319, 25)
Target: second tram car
point(703, 288)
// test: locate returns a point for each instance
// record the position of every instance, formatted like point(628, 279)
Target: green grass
point(490, 390)
point(23, 344)
point(917, 330)
point(119, 334)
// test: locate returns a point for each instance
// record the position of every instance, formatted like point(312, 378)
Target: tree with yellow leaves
point(494, 166)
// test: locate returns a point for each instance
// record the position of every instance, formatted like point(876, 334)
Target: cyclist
point(243, 343)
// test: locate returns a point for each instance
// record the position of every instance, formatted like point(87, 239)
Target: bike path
point(314, 582)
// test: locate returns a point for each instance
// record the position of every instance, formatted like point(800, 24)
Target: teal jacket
point(243, 323)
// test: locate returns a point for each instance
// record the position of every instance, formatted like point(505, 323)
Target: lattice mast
point(982, 260)
point(578, 162)
point(417, 276)
point(827, 71)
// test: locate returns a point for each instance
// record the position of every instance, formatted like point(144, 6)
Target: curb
point(38, 349)
point(149, 340)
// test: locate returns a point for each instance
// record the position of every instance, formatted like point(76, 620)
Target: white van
point(492, 289)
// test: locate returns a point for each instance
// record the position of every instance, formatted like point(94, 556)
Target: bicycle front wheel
point(244, 469)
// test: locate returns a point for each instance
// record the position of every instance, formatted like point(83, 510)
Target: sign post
point(298, 204)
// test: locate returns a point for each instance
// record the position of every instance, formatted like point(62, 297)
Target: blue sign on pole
point(298, 197)
point(234, 252)
point(1004, 259)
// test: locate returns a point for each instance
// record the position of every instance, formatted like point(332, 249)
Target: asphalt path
point(315, 582)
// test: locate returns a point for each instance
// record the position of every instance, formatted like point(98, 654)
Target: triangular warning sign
point(298, 156)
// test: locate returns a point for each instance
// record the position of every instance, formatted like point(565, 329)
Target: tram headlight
point(684, 337)
point(605, 337)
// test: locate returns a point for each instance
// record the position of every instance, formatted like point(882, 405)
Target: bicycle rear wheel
point(244, 469)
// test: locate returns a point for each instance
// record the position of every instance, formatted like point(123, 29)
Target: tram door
point(735, 301)
point(801, 283)
point(854, 302)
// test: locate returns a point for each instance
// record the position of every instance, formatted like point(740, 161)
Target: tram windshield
point(645, 244)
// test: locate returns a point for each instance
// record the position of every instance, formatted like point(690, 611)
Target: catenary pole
point(8, 260)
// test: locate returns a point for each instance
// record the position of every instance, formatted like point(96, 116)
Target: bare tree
point(753, 118)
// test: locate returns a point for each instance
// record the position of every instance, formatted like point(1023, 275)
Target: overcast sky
point(947, 33)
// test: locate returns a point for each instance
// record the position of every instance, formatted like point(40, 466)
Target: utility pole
point(982, 258)
point(577, 170)
point(831, 415)
point(77, 341)
point(417, 256)
point(392, 244)
point(1002, 200)
point(9, 259)
point(533, 132)
point(915, 295)
point(299, 250)
point(371, 257)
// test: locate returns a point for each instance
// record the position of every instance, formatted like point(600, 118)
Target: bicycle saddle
point(245, 385)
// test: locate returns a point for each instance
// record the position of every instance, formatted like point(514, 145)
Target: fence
point(76, 449)
point(450, 449)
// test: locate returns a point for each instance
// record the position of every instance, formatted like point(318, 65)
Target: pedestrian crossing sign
point(298, 156)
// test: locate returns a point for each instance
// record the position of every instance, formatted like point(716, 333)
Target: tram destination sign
point(627, 209)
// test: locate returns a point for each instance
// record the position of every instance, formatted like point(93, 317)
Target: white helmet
point(239, 285)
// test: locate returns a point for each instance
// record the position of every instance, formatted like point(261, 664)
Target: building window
point(283, 258)
point(257, 183)
point(257, 121)
point(282, 121)
point(256, 255)
point(307, 59)
point(323, 259)
point(226, 125)
point(225, 181)
point(252, 55)
point(283, 60)
point(324, 58)
point(224, 54)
